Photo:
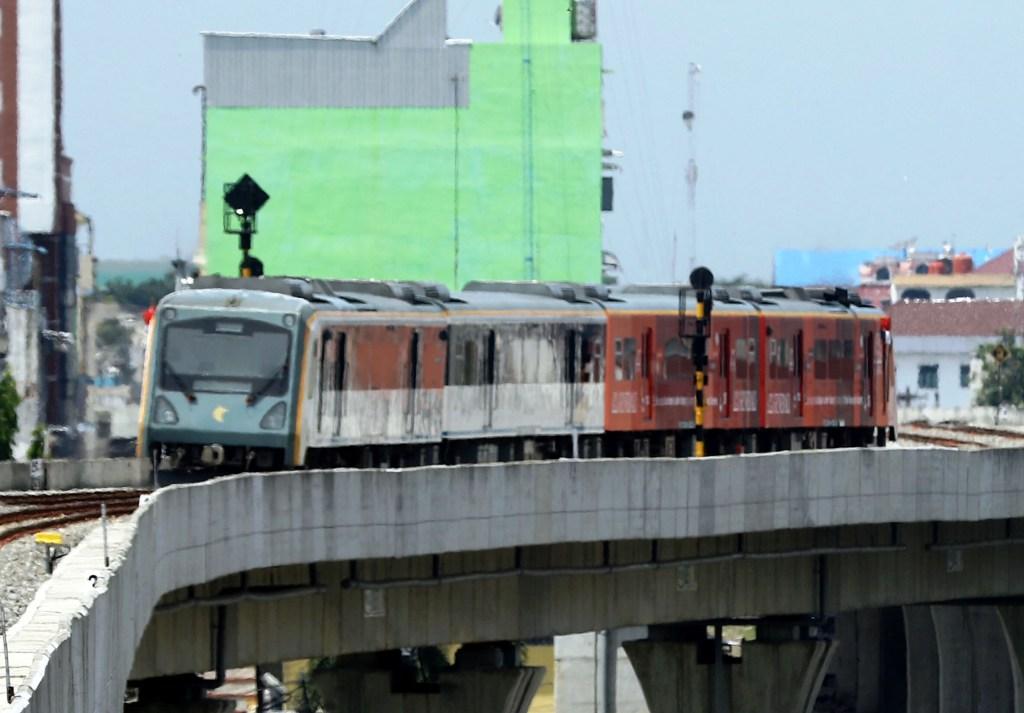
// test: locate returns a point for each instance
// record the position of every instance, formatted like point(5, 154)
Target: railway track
point(35, 511)
point(983, 431)
point(959, 435)
point(944, 441)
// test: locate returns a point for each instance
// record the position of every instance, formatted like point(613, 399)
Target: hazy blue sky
point(820, 123)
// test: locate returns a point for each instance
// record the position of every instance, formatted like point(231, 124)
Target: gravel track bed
point(23, 568)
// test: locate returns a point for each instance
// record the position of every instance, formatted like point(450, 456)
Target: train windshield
point(225, 356)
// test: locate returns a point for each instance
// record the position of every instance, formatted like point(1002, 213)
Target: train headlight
point(274, 418)
point(163, 412)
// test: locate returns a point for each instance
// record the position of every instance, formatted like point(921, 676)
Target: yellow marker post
point(53, 547)
point(49, 538)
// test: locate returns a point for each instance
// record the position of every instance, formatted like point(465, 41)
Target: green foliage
point(740, 280)
point(37, 448)
point(111, 334)
point(1002, 384)
point(140, 294)
point(9, 401)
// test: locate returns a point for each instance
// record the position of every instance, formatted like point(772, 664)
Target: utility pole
point(689, 117)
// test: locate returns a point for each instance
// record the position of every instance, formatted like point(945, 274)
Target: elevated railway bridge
point(879, 579)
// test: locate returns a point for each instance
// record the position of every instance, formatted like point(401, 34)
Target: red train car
point(787, 369)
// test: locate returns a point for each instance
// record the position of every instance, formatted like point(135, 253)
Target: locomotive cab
point(221, 370)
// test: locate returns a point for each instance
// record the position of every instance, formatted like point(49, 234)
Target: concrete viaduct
point(888, 579)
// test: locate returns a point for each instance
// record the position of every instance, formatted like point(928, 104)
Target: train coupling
point(212, 454)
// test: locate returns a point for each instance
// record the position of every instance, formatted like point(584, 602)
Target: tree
point(1001, 382)
point(37, 448)
point(111, 334)
point(140, 294)
point(9, 401)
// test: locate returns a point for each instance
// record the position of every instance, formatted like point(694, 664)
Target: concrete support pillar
point(503, 690)
point(207, 706)
point(780, 677)
point(922, 660)
point(976, 670)
point(583, 665)
point(670, 676)
point(176, 694)
point(783, 677)
point(1013, 624)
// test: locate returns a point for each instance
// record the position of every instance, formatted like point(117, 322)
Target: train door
point(491, 376)
point(725, 374)
point(798, 376)
point(413, 382)
point(868, 377)
point(647, 374)
point(331, 381)
point(571, 376)
point(846, 394)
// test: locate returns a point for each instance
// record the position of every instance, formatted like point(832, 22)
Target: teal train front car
point(221, 382)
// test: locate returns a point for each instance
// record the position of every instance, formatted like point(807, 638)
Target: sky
point(819, 124)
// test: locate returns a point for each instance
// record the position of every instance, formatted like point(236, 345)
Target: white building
point(936, 344)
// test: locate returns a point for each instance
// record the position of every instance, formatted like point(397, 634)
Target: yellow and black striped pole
point(701, 279)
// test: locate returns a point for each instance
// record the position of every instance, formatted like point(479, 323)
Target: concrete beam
point(779, 676)
point(191, 535)
point(503, 690)
point(337, 620)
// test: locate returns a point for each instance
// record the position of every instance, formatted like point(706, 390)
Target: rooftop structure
point(936, 344)
point(410, 155)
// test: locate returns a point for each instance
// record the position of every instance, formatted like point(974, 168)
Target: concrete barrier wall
point(70, 474)
point(73, 649)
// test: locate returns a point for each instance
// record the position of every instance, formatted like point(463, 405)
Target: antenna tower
point(689, 117)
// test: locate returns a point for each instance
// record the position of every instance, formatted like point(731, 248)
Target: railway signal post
point(242, 200)
point(701, 279)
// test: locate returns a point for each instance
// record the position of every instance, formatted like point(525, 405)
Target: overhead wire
point(665, 218)
point(639, 220)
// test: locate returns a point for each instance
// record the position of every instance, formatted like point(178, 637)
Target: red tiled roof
point(1001, 264)
point(959, 318)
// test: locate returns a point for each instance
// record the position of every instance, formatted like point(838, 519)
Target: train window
point(868, 373)
point(466, 367)
point(677, 360)
point(820, 359)
point(590, 358)
point(723, 355)
point(797, 360)
point(723, 369)
point(340, 365)
point(646, 350)
point(780, 358)
point(414, 360)
point(835, 358)
point(492, 357)
point(625, 359)
point(572, 374)
point(325, 372)
point(846, 364)
point(746, 358)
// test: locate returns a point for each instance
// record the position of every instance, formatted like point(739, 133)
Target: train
point(259, 374)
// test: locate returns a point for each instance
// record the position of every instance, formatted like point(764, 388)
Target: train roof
point(740, 299)
point(555, 297)
point(292, 293)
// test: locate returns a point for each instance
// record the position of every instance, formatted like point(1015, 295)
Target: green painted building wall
point(506, 188)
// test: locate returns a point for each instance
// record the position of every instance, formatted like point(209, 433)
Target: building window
point(928, 376)
point(965, 375)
